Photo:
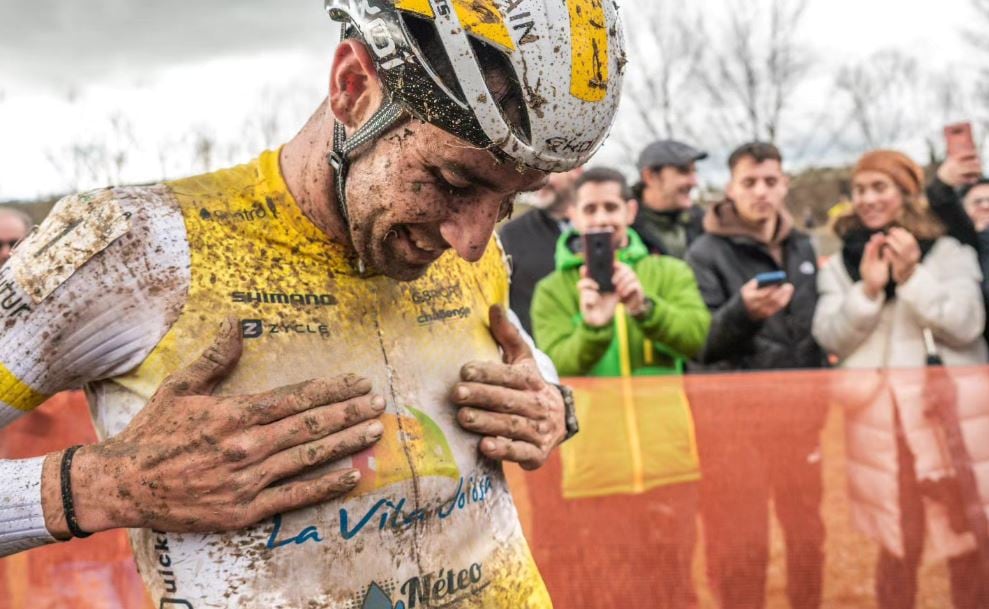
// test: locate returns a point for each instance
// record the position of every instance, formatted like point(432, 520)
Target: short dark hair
point(601, 175)
point(963, 194)
point(760, 152)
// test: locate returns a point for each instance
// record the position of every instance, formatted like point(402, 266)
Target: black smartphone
point(764, 280)
point(599, 256)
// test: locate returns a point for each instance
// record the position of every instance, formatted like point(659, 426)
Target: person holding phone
point(900, 283)
point(956, 197)
point(575, 314)
point(646, 322)
point(757, 274)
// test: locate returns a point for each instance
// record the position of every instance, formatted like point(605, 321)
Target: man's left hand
point(629, 289)
point(519, 414)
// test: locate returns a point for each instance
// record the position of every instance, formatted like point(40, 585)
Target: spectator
point(965, 215)
point(668, 221)
point(975, 199)
point(14, 226)
point(897, 276)
point(530, 240)
point(755, 328)
point(656, 314)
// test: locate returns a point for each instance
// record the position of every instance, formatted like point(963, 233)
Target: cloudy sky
point(105, 90)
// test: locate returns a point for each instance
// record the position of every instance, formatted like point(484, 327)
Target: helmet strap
point(342, 154)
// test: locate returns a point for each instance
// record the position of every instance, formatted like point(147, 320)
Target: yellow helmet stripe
point(419, 7)
point(589, 50)
point(483, 19)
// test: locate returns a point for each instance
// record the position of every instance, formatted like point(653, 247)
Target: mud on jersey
point(121, 287)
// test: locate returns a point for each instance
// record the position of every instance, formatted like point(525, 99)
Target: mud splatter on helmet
point(565, 57)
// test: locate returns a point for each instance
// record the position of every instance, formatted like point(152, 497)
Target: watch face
point(569, 411)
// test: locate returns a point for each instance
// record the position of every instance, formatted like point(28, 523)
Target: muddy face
point(420, 191)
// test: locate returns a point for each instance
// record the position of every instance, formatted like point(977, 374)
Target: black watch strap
point(643, 315)
point(569, 412)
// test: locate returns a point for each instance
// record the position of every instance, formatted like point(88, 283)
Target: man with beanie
point(759, 328)
point(530, 240)
point(668, 220)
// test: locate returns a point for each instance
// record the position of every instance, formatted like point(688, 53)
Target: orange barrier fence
point(598, 551)
point(93, 573)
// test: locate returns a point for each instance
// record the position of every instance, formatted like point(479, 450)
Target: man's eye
point(450, 188)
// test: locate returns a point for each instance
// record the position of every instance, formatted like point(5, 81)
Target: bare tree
point(120, 143)
point(977, 37)
point(81, 164)
point(756, 68)
point(668, 42)
point(203, 148)
point(881, 94)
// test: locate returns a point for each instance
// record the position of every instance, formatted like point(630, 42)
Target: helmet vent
point(502, 82)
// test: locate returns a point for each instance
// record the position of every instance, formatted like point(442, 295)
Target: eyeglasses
point(10, 243)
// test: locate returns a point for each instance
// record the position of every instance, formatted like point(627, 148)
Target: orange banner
point(598, 515)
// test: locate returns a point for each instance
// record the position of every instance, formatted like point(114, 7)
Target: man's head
point(556, 196)
point(14, 226)
point(481, 132)
point(668, 170)
point(417, 190)
point(758, 186)
point(976, 199)
point(603, 201)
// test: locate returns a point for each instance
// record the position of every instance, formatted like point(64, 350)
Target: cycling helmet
point(563, 59)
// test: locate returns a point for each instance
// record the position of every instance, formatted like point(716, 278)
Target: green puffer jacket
point(675, 330)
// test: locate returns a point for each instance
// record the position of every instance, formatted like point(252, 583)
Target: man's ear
point(648, 176)
point(355, 91)
point(633, 210)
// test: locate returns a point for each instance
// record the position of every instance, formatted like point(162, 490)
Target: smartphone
point(764, 280)
point(599, 255)
point(958, 139)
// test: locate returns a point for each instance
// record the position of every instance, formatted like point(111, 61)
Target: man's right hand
point(763, 303)
point(961, 170)
point(190, 461)
point(596, 308)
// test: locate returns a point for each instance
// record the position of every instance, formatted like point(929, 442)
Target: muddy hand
point(194, 462)
point(520, 415)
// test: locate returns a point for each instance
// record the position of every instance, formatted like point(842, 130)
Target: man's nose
point(469, 228)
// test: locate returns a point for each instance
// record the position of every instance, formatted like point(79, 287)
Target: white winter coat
point(943, 295)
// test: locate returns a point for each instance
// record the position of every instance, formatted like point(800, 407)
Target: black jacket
point(736, 342)
point(530, 240)
point(946, 205)
point(653, 225)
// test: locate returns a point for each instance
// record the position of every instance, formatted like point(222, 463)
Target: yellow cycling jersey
point(431, 524)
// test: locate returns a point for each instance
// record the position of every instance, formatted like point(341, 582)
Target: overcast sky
point(148, 78)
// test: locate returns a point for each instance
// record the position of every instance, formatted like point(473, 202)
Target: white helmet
point(446, 62)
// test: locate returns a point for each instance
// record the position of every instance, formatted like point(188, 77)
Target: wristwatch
point(646, 311)
point(569, 412)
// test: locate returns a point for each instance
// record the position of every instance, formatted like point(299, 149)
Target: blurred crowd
point(738, 286)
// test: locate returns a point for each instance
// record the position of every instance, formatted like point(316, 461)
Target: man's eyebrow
point(468, 175)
